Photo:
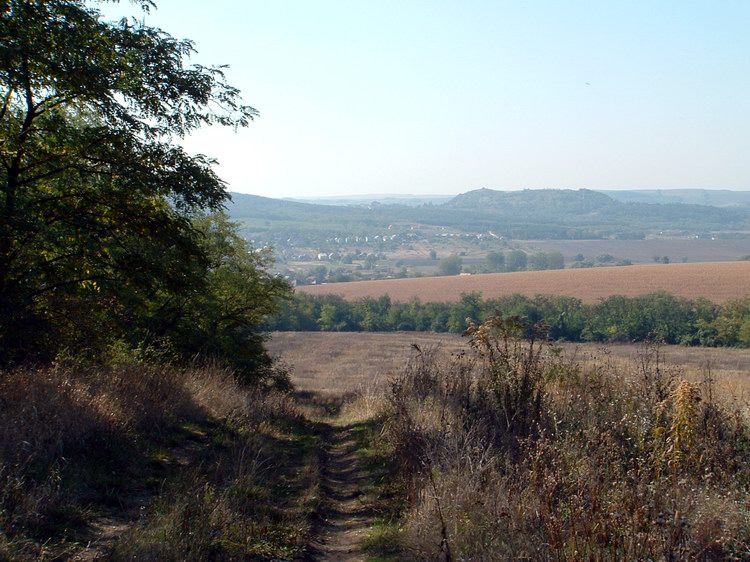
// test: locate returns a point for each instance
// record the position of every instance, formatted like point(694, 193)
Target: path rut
point(347, 519)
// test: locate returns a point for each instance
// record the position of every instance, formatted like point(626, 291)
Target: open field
point(337, 362)
point(718, 282)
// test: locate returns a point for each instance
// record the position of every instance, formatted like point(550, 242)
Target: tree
point(450, 265)
point(224, 318)
point(538, 261)
point(733, 323)
point(495, 261)
point(96, 199)
point(555, 260)
point(516, 261)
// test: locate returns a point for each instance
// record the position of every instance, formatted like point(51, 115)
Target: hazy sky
point(433, 97)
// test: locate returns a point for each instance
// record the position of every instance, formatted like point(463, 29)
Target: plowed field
point(718, 282)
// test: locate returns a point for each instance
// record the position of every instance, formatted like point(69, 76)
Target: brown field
point(340, 362)
point(718, 282)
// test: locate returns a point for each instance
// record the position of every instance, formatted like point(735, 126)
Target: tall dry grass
point(76, 441)
point(517, 451)
point(65, 433)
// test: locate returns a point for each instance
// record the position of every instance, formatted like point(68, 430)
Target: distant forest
point(655, 317)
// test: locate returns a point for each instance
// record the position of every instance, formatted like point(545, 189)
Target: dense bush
point(109, 231)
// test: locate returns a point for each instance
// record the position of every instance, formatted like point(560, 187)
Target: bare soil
point(346, 519)
point(717, 282)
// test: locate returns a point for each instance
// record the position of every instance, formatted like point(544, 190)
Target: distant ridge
point(526, 214)
point(385, 199)
point(711, 197)
point(581, 201)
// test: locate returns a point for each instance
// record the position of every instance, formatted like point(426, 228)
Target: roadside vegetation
point(139, 462)
point(514, 450)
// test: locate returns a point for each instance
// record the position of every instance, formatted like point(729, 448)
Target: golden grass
point(717, 282)
point(80, 446)
point(531, 453)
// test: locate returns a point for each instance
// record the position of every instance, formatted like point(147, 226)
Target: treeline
point(662, 316)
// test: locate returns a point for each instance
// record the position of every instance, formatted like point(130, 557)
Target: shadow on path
point(346, 520)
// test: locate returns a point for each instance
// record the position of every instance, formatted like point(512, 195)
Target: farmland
point(717, 282)
point(316, 242)
point(335, 362)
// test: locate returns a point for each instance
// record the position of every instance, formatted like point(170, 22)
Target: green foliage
point(516, 260)
point(495, 261)
point(733, 323)
point(658, 316)
point(223, 319)
point(97, 240)
point(450, 265)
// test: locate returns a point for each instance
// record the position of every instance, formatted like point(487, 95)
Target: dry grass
point(717, 282)
point(335, 363)
point(85, 450)
point(628, 452)
point(521, 453)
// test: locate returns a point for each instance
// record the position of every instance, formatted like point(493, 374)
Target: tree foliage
point(654, 317)
point(97, 200)
point(450, 265)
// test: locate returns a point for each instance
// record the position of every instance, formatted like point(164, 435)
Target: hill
point(537, 208)
point(527, 214)
point(717, 282)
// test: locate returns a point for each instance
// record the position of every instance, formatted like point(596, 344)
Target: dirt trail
point(347, 519)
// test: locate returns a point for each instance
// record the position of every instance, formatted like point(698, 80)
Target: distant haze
point(444, 97)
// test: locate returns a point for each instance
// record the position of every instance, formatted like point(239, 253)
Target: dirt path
point(347, 518)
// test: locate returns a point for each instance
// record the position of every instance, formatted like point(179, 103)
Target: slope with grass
point(717, 282)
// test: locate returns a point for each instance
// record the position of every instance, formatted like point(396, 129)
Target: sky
point(441, 97)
